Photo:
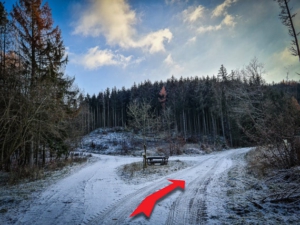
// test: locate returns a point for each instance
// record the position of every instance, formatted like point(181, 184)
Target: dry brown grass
point(34, 172)
point(281, 185)
point(207, 148)
point(135, 174)
point(25, 172)
point(257, 162)
point(132, 168)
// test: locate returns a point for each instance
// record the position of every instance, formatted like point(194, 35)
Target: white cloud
point(192, 40)
point(115, 21)
point(154, 42)
point(191, 14)
point(175, 67)
point(280, 63)
point(203, 29)
point(221, 9)
point(169, 60)
point(95, 58)
point(229, 21)
point(171, 2)
point(297, 21)
point(67, 51)
point(285, 57)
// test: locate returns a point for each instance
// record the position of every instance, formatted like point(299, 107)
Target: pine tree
point(48, 98)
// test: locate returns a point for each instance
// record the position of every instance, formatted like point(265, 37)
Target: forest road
point(96, 195)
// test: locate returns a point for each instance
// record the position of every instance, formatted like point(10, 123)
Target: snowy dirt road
point(97, 195)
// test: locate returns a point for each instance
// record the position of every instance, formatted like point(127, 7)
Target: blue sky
point(119, 42)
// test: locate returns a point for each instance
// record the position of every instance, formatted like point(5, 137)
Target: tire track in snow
point(45, 212)
point(190, 207)
point(53, 207)
point(118, 212)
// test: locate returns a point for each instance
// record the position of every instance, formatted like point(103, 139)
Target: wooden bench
point(162, 160)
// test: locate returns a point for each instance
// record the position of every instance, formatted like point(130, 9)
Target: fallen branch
point(289, 200)
point(255, 203)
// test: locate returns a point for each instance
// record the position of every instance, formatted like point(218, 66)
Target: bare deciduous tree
point(142, 119)
point(287, 17)
point(268, 118)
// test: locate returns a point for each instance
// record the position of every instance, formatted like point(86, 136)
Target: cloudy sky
point(119, 42)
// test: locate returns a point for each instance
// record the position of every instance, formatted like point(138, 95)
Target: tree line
point(39, 104)
point(199, 107)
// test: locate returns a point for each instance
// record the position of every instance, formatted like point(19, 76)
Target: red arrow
point(148, 203)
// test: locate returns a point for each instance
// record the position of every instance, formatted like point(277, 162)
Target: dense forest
point(206, 107)
point(43, 114)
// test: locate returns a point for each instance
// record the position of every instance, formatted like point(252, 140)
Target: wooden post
point(145, 157)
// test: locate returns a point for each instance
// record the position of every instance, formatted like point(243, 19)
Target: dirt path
point(78, 196)
point(188, 207)
point(96, 195)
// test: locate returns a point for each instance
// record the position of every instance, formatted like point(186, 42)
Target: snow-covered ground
point(119, 142)
point(218, 190)
point(97, 195)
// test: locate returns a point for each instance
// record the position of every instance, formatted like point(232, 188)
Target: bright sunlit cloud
point(96, 58)
point(221, 9)
point(169, 61)
point(191, 14)
point(174, 68)
point(115, 20)
point(192, 40)
point(229, 21)
point(282, 62)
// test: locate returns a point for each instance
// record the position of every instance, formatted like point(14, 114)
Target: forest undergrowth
point(260, 194)
point(260, 191)
point(28, 173)
point(283, 184)
point(19, 189)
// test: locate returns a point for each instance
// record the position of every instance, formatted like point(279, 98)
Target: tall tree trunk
point(97, 113)
point(213, 127)
point(222, 123)
point(122, 116)
point(88, 120)
point(36, 152)
point(293, 31)
point(113, 116)
point(104, 119)
point(44, 155)
point(31, 153)
point(230, 133)
point(199, 124)
point(108, 115)
point(184, 124)
point(204, 122)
